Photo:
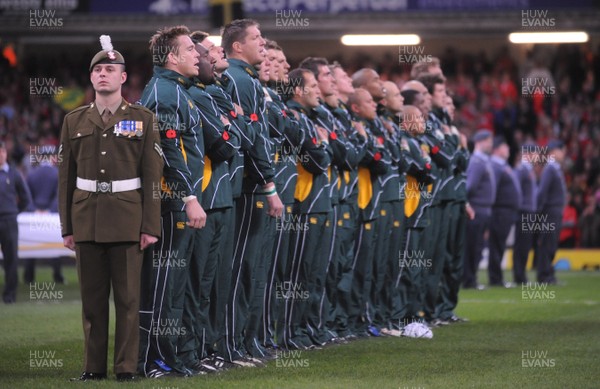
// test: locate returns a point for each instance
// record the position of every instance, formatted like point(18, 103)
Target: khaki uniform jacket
point(91, 150)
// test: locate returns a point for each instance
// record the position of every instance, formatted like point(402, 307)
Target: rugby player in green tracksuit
point(442, 145)
point(222, 142)
point(390, 294)
point(348, 219)
point(259, 203)
point(313, 207)
point(221, 290)
point(347, 223)
point(374, 164)
point(165, 269)
point(344, 216)
point(416, 193)
point(387, 223)
point(453, 266)
point(285, 130)
point(324, 118)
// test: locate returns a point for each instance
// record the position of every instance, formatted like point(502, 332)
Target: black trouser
point(9, 242)
point(391, 284)
point(547, 243)
point(439, 244)
point(205, 253)
point(279, 275)
point(346, 234)
point(453, 268)
point(475, 243)
point(165, 273)
point(503, 219)
point(29, 275)
point(524, 238)
point(252, 258)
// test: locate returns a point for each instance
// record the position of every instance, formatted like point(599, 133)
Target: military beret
point(482, 135)
point(499, 141)
point(107, 54)
point(555, 144)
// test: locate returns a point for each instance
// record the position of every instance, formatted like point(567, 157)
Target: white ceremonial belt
point(109, 186)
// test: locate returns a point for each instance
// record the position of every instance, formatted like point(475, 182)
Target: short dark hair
point(429, 80)
point(296, 79)
point(198, 36)
point(236, 31)
point(312, 64)
point(422, 67)
point(410, 96)
point(163, 42)
point(272, 45)
point(335, 65)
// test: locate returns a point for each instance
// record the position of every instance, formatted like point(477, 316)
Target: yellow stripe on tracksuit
point(183, 149)
point(365, 187)
point(207, 173)
point(304, 183)
point(412, 196)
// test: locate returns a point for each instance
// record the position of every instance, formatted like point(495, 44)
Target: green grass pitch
point(516, 338)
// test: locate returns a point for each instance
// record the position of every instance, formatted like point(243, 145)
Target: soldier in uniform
point(111, 162)
point(481, 194)
point(551, 200)
point(504, 210)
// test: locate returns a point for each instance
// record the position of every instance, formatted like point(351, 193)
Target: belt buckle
point(103, 187)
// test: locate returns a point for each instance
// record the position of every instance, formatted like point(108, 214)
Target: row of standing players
point(365, 191)
point(296, 209)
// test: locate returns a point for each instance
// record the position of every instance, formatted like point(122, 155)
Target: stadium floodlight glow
point(216, 39)
point(549, 37)
point(380, 39)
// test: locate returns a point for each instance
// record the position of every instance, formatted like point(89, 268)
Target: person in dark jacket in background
point(504, 211)
point(14, 198)
point(42, 181)
point(481, 193)
point(523, 237)
point(551, 200)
